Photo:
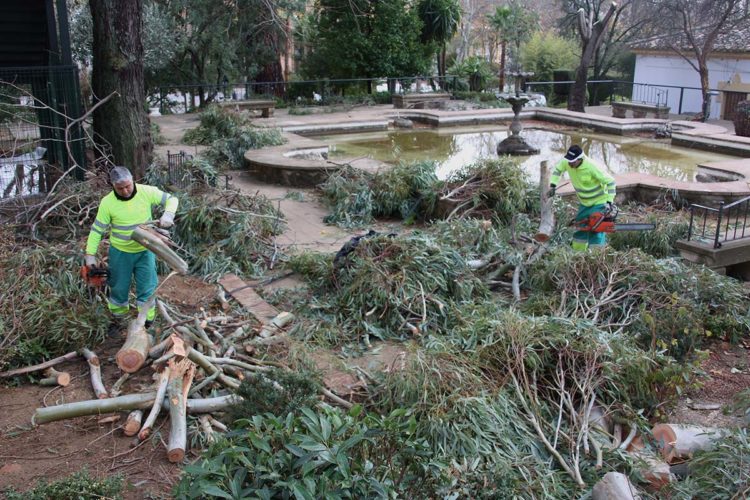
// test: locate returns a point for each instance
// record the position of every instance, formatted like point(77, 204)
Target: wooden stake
point(96, 373)
point(54, 377)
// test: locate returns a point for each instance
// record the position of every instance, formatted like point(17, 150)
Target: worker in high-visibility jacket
point(595, 190)
point(120, 212)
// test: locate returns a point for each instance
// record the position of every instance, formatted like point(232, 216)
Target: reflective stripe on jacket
point(121, 217)
point(592, 185)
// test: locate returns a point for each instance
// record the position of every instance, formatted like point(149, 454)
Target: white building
point(728, 73)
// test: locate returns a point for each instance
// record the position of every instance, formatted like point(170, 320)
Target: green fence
point(39, 137)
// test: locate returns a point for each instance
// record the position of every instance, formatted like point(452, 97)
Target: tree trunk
point(118, 66)
point(592, 34)
point(547, 219)
point(502, 66)
point(703, 72)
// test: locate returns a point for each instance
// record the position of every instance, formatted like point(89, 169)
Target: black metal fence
point(180, 177)
point(37, 107)
point(181, 98)
point(722, 224)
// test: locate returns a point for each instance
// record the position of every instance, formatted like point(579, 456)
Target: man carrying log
point(595, 190)
point(120, 212)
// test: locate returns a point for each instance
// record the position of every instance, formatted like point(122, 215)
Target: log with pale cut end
point(133, 423)
point(678, 441)
point(547, 213)
point(276, 324)
point(653, 469)
point(134, 352)
point(95, 372)
point(180, 378)
point(615, 486)
point(54, 377)
point(160, 246)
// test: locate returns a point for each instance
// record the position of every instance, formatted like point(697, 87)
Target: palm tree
point(440, 20)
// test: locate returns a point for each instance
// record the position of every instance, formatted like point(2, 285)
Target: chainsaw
point(95, 278)
point(604, 222)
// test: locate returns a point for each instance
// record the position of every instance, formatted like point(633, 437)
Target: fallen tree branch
point(96, 373)
point(40, 366)
point(160, 391)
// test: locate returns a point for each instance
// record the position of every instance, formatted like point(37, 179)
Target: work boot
point(116, 326)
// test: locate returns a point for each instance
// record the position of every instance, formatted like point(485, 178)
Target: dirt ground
point(55, 450)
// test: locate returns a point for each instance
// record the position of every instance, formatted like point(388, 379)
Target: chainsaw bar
point(634, 227)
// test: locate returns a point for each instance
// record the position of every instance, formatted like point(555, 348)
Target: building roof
point(736, 40)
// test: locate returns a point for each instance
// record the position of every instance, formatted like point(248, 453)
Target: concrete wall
point(673, 70)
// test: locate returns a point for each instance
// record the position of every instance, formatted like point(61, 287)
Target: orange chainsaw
point(604, 222)
point(95, 278)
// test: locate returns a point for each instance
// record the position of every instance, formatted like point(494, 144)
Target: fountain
point(514, 144)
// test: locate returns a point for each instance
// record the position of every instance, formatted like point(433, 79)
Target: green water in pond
point(457, 147)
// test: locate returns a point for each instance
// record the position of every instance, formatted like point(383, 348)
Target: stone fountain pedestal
point(514, 144)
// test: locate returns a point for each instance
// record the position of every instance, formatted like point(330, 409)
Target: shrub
point(78, 486)
point(277, 392)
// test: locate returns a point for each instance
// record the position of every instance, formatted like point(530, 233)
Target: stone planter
point(742, 119)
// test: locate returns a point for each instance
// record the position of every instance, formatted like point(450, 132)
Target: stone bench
point(266, 106)
point(419, 101)
point(639, 109)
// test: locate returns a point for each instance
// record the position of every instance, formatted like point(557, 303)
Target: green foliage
point(718, 473)
point(225, 231)
point(277, 392)
point(365, 39)
point(156, 136)
point(42, 286)
point(215, 124)
point(407, 190)
point(78, 486)
point(389, 287)
point(476, 69)
point(229, 136)
point(667, 305)
point(316, 454)
point(546, 52)
point(660, 242)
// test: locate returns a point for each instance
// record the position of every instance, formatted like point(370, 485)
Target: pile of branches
point(223, 231)
point(389, 287)
point(42, 289)
point(229, 135)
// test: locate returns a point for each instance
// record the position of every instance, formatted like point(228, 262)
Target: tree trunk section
point(54, 377)
point(677, 441)
point(134, 352)
point(95, 371)
point(133, 423)
point(615, 486)
point(118, 66)
point(547, 216)
point(180, 377)
point(93, 407)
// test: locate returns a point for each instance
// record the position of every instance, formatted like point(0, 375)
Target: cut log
point(40, 366)
point(180, 378)
point(677, 441)
point(276, 324)
point(133, 423)
point(160, 246)
point(92, 407)
point(134, 352)
point(160, 391)
point(654, 470)
point(96, 373)
point(54, 377)
point(547, 213)
point(615, 486)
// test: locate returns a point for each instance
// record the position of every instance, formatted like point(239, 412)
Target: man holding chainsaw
point(595, 190)
point(120, 212)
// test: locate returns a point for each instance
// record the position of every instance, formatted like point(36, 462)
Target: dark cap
point(574, 153)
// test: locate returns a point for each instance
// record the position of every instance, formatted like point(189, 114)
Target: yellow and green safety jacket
point(593, 187)
point(122, 217)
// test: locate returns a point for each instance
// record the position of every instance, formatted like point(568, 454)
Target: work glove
point(609, 207)
point(167, 220)
point(89, 261)
point(551, 191)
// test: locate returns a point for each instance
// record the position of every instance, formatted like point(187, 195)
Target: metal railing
point(178, 175)
point(730, 222)
point(181, 97)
